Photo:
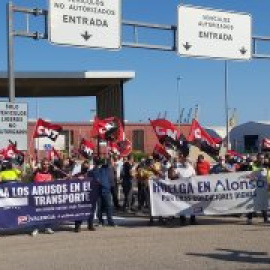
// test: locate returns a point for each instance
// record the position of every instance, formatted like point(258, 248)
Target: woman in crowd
point(42, 175)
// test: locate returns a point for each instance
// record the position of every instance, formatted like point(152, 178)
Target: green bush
point(138, 155)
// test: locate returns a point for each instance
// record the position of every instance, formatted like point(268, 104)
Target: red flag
point(53, 154)
point(109, 129)
point(169, 136)
point(121, 148)
point(113, 148)
point(86, 148)
point(125, 147)
point(202, 139)
point(234, 154)
point(165, 129)
point(11, 152)
point(266, 144)
point(161, 152)
point(217, 140)
point(45, 129)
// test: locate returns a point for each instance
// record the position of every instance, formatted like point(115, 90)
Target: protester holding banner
point(183, 170)
point(83, 173)
point(259, 166)
point(149, 169)
point(202, 166)
point(246, 164)
point(221, 166)
point(67, 165)
point(43, 175)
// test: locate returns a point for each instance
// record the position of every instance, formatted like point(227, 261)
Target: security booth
point(107, 87)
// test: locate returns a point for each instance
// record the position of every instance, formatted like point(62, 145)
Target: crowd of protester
point(124, 183)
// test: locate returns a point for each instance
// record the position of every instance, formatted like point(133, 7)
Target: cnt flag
point(46, 129)
point(125, 147)
point(169, 136)
point(113, 148)
point(11, 152)
point(86, 148)
point(200, 138)
point(121, 148)
point(109, 129)
point(165, 130)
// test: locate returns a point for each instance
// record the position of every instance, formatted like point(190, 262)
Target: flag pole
point(32, 138)
point(226, 106)
point(98, 147)
point(37, 115)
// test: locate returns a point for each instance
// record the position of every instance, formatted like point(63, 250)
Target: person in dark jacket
point(114, 184)
point(83, 173)
point(102, 173)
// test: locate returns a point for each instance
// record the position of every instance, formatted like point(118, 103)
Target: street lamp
point(227, 107)
point(178, 92)
point(93, 111)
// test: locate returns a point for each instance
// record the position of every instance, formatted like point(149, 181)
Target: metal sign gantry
point(135, 43)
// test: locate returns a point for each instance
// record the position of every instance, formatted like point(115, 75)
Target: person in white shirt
point(182, 169)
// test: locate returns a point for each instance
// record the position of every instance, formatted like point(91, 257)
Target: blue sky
point(154, 89)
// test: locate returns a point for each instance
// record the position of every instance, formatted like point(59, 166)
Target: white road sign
point(13, 124)
point(87, 23)
point(213, 33)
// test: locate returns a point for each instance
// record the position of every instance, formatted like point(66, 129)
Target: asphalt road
point(216, 243)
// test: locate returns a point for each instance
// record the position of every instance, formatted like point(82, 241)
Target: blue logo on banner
point(47, 147)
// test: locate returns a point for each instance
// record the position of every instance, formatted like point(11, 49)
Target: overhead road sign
point(13, 124)
point(214, 33)
point(88, 23)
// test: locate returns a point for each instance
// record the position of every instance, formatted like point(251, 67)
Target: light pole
point(179, 78)
point(93, 111)
point(227, 107)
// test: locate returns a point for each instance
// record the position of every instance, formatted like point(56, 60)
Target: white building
point(248, 137)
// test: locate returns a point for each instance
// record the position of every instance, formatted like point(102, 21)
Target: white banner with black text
point(219, 194)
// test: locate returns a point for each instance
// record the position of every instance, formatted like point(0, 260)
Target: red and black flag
point(109, 129)
point(121, 148)
point(86, 148)
point(169, 136)
point(165, 130)
point(125, 147)
point(234, 154)
point(113, 148)
point(265, 144)
point(11, 152)
point(200, 138)
point(46, 129)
